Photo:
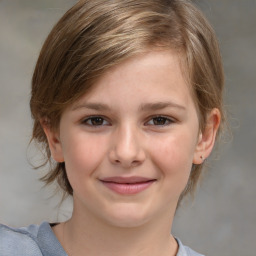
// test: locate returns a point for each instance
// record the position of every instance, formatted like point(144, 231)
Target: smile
point(127, 185)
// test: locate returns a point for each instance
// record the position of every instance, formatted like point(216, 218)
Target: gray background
point(222, 218)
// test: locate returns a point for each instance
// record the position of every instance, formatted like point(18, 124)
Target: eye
point(160, 121)
point(95, 121)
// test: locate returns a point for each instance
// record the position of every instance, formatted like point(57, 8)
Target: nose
point(127, 149)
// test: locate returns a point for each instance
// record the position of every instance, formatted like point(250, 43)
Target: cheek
point(173, 156)
point(82, 155)
point(175, 150)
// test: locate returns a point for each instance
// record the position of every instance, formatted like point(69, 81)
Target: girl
point(127, 102)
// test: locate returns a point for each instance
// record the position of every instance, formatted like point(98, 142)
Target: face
point(129, 144)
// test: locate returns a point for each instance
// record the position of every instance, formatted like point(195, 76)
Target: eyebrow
point(93, 106)
point(160, 105)
point(143, 107)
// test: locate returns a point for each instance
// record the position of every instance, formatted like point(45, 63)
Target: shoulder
point(185, 250)
point(21, 241)
point(34, 240)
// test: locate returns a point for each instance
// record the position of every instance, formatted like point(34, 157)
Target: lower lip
point(128, 189)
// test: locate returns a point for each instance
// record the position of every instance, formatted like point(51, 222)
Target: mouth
point(127, 185)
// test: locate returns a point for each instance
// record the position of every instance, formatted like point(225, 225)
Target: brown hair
point(95, 35)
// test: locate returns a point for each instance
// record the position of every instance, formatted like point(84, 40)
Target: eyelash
point(167, 120)
point(89, 121)
point(91, 118)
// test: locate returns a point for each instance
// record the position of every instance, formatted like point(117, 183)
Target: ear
point(206, 139)
point(53, 141)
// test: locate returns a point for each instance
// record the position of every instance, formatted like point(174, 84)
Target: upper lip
point(120, 179)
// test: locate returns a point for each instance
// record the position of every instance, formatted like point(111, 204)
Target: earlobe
point(206, 139)
point(53, 141)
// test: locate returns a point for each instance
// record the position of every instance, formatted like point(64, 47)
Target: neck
point(86, 235)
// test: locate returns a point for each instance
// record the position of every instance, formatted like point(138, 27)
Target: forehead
point(144, 77)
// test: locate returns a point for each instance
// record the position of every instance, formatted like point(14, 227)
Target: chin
point(128, 218)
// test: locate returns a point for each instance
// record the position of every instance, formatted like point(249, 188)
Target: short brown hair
point(95, 35)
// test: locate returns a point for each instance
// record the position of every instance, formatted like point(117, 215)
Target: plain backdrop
point(222, 218)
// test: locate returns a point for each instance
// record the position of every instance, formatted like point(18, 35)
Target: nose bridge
point(126, 139)
point(127, 148)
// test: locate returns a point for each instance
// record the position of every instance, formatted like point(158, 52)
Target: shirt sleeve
point(17, 242)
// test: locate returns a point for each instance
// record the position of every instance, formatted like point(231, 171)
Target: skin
point(139, 120)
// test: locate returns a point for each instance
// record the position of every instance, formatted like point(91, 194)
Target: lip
point(127, 185)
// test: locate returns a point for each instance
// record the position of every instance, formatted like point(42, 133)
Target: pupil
point(159, 121)
point(97, 121)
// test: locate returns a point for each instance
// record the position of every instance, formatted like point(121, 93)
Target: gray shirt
point(39, 240)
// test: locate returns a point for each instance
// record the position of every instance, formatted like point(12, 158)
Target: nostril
point(134, 163)
point(127, 163)
point(126, 156)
